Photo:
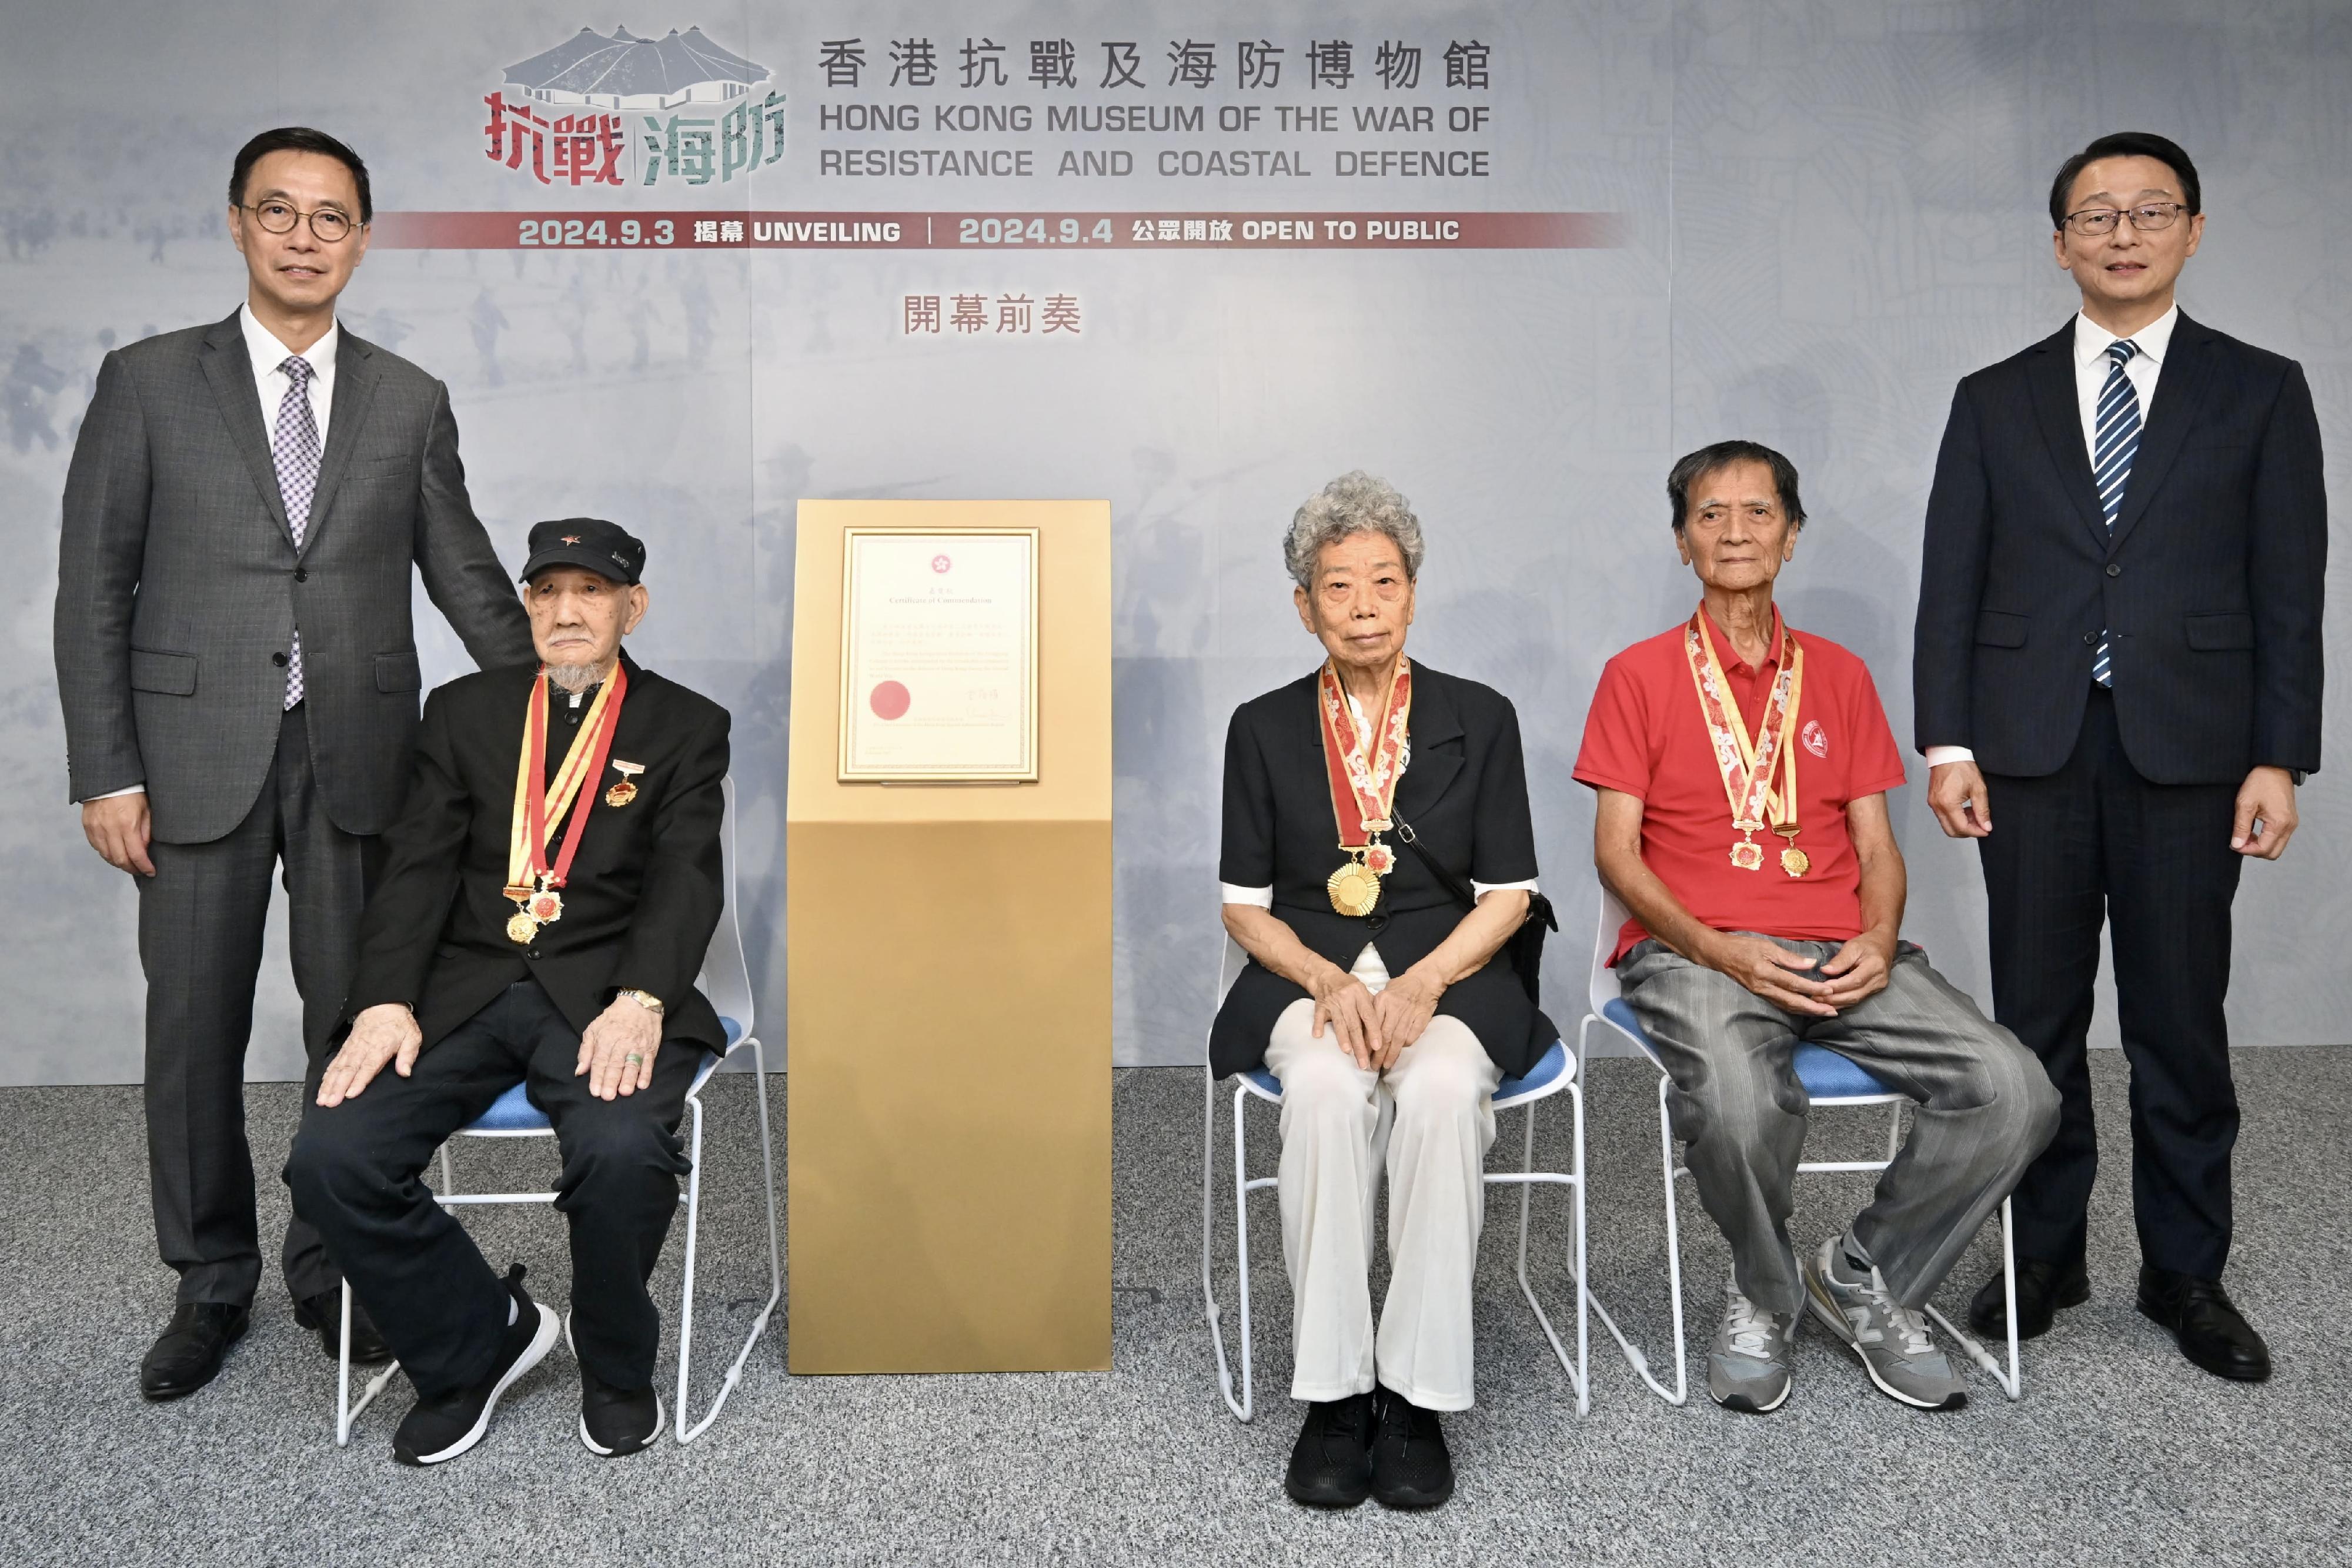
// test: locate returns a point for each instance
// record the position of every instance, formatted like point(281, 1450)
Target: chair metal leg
point(346, 1412)
point(1244, 1408)
point(1632, 1353)
point(448, 1178)
point(685, 1433)
point(1241, 1253)
point(2011, 1382)
point(1583, 1290)
point(1527, 1178)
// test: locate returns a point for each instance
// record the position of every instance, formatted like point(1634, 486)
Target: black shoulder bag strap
point(1526, 945)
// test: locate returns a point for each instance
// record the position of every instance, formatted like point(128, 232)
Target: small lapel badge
point(624, 792)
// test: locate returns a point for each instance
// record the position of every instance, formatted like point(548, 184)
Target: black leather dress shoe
point(1411, 1467)
point(189, 1352)
point(2042, 1289)
point(1331, 1466)
point(323, 1313)
point(2210, 1330)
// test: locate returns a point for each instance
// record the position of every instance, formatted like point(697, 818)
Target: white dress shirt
point(2091, 339)
point(268, 356)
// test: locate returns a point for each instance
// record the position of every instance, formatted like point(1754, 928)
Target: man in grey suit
point(240, 683)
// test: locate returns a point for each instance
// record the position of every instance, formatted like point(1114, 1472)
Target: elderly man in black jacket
point(550, 887)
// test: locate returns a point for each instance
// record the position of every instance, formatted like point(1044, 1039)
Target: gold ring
point(634, 1060)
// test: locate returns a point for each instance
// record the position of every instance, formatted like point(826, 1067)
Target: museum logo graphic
point(623, 110)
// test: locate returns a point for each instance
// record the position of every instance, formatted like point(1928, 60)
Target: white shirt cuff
point(1939, 755)
point(111, 794)
point(1263, 897)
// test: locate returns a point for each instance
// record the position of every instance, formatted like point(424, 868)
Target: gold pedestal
point(949, 1092)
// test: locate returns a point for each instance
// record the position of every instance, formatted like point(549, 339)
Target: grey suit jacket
point(179, 587)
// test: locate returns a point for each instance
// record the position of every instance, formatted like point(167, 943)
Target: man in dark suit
point(2118, 645)
point(239, 677)
point(548, 894)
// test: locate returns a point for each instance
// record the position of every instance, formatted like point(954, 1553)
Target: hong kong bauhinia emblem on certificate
point(939, 654)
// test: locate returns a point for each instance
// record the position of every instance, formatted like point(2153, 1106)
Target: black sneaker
point(1332, 1465)
point(614, 1421)
point(436, 1430)
point(1411, 1467)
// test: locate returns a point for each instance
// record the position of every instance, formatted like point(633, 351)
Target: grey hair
point(1354, 503)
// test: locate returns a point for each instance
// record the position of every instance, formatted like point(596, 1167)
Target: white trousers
point(1431, 1119)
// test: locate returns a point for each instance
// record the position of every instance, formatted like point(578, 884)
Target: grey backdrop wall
point(1827, 213)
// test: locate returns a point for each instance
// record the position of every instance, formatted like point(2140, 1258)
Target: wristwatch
point(646, 1000)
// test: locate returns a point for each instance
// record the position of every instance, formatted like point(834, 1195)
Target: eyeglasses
point(2146, 218)
point(331, 226)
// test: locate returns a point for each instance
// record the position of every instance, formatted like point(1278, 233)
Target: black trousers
point(201, 920)
point(356, 1174)
point(2096, 841)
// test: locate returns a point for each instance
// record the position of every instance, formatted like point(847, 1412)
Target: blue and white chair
point(1551, 1074)
point(1831, 1082)
point(726, 980)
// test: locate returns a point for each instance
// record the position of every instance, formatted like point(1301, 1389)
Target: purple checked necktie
point(296, 452)
point(2115, 444)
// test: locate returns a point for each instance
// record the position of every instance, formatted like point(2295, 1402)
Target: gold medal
point(532, 882)
point(624, 792)
point(1749, 767)
point(1363, 761)
point(1354, 890)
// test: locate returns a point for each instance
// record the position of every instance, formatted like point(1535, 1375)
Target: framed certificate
point(939, 654)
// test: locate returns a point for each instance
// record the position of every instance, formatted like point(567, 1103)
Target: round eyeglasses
point(331, 226)
point(2147, 217)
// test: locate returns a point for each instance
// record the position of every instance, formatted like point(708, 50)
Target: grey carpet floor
point(2119, 1453)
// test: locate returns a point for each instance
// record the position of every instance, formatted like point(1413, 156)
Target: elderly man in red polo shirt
point(1742, 770)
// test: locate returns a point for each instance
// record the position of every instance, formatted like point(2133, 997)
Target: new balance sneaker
point(614, 1421)
point(437, 1431)
point(1748, 1369)
point(1891, 1340)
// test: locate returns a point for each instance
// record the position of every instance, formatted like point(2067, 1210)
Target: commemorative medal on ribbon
point(624, 792)
point(1760, 775)
point(532, 882)
point(1364, 768)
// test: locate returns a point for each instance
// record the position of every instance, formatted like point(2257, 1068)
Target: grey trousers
point(200, 927)
point(1986, 1108)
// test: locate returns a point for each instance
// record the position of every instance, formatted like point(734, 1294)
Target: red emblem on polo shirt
point(1816, 738)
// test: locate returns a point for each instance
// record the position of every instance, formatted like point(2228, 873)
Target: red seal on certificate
point(889, 700)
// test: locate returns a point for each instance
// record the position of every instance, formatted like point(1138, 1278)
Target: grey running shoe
point(1748, 1370)
point(1891, 1340)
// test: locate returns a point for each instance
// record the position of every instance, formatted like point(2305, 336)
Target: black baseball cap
point(608, 549)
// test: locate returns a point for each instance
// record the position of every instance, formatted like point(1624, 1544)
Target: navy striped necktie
point(2115, 441)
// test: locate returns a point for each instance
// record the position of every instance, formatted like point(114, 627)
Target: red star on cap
point(572, 538)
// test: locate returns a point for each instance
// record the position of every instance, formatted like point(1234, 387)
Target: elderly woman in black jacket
point(1385, 1004)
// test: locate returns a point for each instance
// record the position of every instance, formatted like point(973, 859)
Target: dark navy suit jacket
point(2209, 588)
